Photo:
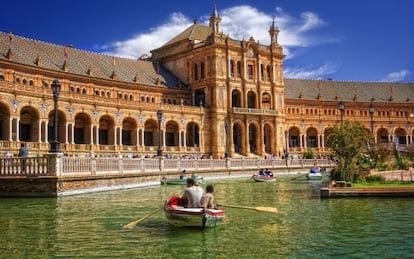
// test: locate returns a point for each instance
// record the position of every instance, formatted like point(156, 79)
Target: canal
point(90, 226)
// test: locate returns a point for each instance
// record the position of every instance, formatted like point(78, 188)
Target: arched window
point(238, 69)
point(195, 71)
point(202, 67)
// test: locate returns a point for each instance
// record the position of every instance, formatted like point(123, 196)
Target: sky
point(346, 40)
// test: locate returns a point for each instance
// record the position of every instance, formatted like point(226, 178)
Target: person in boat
point(207, 200)
point(269, 173)
point(192, 194)
point(315, 170)
point(262, 172)
point(182, 174)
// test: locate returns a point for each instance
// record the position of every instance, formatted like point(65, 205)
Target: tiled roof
point(27, 51)
point(194, 32)
point(330, 90)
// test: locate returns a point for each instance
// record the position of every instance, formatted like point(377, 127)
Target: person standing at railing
point(23, 154)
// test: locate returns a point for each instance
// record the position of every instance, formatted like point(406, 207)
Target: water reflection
point(306, 226)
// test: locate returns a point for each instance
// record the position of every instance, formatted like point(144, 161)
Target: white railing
point(63, 166)
point(28, 166)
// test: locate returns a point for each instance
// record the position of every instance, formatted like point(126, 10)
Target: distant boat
point(180, 181)
point(263, 178)
point(180, 216)
point(315, 174)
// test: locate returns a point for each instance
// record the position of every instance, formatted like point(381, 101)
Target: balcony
point(252, 111)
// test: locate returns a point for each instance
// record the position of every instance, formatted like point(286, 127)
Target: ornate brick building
point(215, 96)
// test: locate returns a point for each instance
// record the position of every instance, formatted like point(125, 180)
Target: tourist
point(182, 174)
point(261, 172)
point(192, 194)
point(268, 173)
point(207, 201)
point(23, 153)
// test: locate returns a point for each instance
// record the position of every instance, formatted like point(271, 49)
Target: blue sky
point(350, 40)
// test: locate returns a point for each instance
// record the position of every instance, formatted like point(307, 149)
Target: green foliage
point(410, 152)
point(379, 154)
point(375, 178)
point(309, 154)
point(382, 166)
point(402, 162)
point(365, 162)
point(347, 142)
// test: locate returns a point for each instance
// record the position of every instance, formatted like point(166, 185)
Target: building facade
point(202, 94)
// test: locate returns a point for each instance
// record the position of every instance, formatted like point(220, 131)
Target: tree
point(347, 142)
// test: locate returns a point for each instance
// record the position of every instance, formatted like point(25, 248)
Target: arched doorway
point(129, 132)
point(192, 135)
point(61, 137)
point(29, 125)
point(253, 140)
point(238, 135)
point(235, 98)
point(312, 138)
point(151, 133)
point(294, 137)
point(382, 136)
point(106, 130)
point(268, 138)
point(251, 99)
point(401, 136)
point(82, 134)
point(4, 122)
point(171, 134)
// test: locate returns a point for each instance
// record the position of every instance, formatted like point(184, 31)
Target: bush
point(382, 166)
point(309, 154)
point(375, 178)
point(402, 163)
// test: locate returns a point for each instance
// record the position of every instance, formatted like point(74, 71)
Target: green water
point(90, 226)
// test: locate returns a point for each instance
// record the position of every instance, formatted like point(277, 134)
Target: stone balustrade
point(63, 166)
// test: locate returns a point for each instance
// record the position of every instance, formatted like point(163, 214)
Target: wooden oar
point(294, 178)
point(134, 223)
point(261, 209)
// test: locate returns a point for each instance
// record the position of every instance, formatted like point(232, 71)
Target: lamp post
point(341, 109)
point(226, 128)
point(371, 113)
point(159, 117)
point(286, 153)
point(54, 146)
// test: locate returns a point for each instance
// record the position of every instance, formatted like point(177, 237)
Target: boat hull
point(192, 217)
point(179, 181)
point(259, 178)
point(314, 176)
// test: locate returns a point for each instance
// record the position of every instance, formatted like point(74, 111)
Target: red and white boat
point(263, 178)
point(180, 216)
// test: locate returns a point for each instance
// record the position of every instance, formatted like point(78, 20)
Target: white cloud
point(310, 73)
point(397, 76)
point(144, 42)
point(239, 22)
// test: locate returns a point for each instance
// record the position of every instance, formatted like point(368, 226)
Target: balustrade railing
point(27, 166)
point(63, 166)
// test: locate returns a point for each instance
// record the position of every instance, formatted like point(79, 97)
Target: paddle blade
point(131, 225)
point(266, 209)
point(134, 223)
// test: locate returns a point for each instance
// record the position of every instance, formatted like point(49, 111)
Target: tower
point(274, 32)
point(215, 21)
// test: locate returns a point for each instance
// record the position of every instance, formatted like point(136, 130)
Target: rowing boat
point(263, 178)
point(315, 174)
point(180, 181)
point(191, 217)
